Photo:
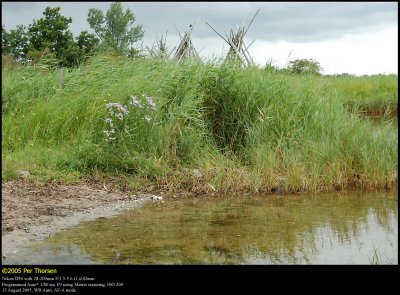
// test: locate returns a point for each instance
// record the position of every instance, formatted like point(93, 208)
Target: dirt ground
point(31, 212)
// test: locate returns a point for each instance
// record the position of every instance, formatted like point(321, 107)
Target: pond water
point(342, 228)
point(378, 121)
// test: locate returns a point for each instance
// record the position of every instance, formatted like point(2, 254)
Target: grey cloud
point(286, 21)
point(321, 21)
point(299, 22)
point(15, 7)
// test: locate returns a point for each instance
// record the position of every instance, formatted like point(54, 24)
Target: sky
point(359, 38)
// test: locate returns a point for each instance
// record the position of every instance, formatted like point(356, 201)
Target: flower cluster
point(115, 110)
point(149, 101)
point(110, 133)
point(120, 111)
point(135, 102)
point(147, 118)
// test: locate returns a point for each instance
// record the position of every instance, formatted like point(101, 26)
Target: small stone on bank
point(156, 198)
point(211, 187)
point(196, 173)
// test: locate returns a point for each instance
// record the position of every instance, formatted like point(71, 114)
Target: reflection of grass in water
point(383, 216)
point(276, 229)
point(376, 258)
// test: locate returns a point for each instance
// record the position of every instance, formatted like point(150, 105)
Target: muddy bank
point(32, 212)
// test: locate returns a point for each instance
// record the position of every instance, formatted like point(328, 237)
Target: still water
point(352, 228)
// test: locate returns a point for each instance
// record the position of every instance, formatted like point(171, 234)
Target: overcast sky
point(353, 37)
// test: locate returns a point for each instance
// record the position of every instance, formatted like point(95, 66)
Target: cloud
point(15, 7)
point(310, 22)
point(297, 22)
point(304, 26)
point(367, 53)
point(292, 22)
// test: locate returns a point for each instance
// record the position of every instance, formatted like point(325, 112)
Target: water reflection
point(323, 229)
point(381, 121)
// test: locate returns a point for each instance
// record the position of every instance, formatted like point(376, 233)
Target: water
point(379, 121)
point(356, 228)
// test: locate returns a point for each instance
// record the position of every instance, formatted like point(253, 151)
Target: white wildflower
point(121, 108)
point(151, 104)
point(109, 132)
point(109, 121)
point(135, 102)
point(147, 118)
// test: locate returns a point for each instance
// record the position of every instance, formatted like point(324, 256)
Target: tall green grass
point(243, 129)
point(375, 87)
point(376, 94)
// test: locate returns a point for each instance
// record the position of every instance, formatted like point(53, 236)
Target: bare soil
point(32, 212)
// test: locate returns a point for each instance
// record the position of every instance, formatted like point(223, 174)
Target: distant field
point(376, 94)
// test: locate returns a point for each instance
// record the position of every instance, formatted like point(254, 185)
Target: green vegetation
point(15, 42)
point(305, 66)
point(115, 29)
point(49, 40)
point(242, 129)
point(376, 94)
point(375, 260)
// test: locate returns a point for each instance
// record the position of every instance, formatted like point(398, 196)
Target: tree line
point(50, 37)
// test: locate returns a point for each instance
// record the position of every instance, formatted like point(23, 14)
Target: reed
point(151, 122)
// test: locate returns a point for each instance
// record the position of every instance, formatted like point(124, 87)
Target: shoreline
point(32, 212)
point(24, 222)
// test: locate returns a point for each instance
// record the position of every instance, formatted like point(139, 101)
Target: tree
point(18, 43)
point(115, 29)
point(15, 43)
point(48, 39)
point(305, 66)
point(5, 41)
point(42, 55)
point(87, 42)
point(71, 56)
point(51, 32)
